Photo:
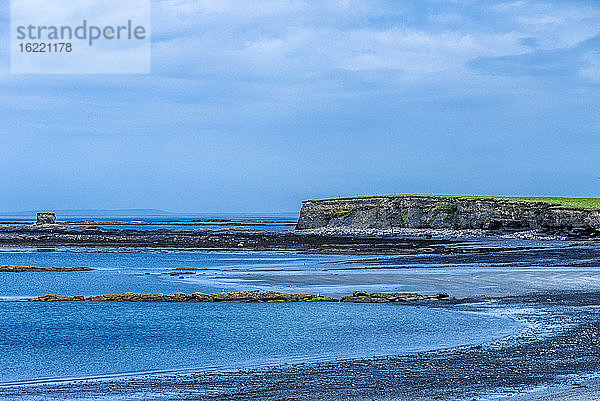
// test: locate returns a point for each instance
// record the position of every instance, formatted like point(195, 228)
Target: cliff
point(413, 211)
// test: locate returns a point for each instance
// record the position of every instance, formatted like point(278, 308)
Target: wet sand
point(463, 270)
point(578, 390)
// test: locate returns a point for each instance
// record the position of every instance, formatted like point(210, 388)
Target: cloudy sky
point(253, 106)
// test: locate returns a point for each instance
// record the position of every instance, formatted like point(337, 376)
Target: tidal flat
point(523, 320)
point(558, 353)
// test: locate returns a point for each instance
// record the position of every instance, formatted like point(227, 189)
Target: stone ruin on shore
point(46, 218)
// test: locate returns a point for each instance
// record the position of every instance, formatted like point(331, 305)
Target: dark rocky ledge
point(54, 235)
point(244, 296)
point(384, 297)
point(21, 269)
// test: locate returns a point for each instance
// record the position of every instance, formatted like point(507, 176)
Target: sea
point(42, 342)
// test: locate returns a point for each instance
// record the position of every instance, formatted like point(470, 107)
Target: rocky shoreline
point(223, 239)
point(23, 269)
point(331, 240)
point(244, 296)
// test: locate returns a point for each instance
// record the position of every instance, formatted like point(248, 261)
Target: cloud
point(568, 62)
point(591, 68)
point(288, 40)
point(275, 39)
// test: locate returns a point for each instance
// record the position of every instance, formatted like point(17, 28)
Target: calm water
point(149, 227)
point(277, 221)
point(60, 340)
point(528, 266)
point(148, 270)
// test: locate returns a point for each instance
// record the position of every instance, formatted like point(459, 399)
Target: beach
point(555, 356)
point(521, 320)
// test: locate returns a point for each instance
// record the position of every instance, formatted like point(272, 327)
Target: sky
point(253, 106)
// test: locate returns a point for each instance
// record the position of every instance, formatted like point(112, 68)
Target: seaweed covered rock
point(243, 296)
point(383, 297)
point(22, 269)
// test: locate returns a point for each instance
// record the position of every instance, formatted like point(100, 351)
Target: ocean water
point(236, 225)
point(73, 340)
point(276, 221)
point(149, 270)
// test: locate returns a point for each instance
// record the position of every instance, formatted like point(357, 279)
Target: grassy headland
point(570, 203)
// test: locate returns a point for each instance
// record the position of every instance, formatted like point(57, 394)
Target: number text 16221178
point(45, 47)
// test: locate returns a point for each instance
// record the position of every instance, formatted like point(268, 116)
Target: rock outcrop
point(244, 296)
point(385, 212)
point(21, 269)
point(57, 235)
point(46, 218)
point(386, 297)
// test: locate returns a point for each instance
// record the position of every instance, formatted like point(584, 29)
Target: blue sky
point(253, 106)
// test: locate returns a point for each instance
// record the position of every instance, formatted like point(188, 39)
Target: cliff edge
point(446, 212)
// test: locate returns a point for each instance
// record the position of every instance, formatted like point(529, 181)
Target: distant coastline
point(372, 224)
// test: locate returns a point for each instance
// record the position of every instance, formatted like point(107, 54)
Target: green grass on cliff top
point(571, 203)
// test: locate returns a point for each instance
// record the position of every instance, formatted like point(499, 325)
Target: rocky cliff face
point(386, 212)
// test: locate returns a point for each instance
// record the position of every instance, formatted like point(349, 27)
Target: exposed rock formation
point(384, 212)
point(384, 297)
point(56, 235)
point(244, 296)
point(46, 218)
point(21, 269)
